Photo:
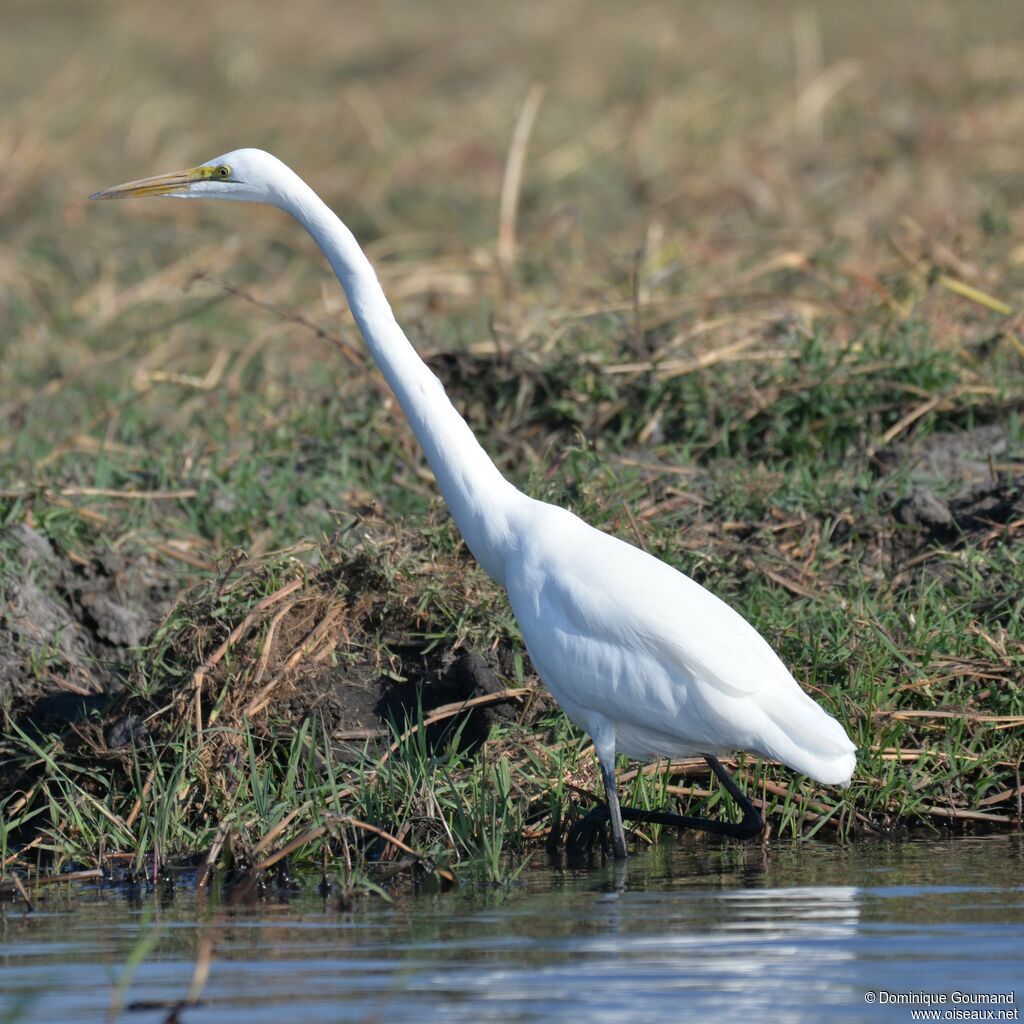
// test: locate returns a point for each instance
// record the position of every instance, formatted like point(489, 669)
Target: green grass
point(734, 327)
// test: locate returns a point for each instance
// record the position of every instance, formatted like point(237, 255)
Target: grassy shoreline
point(244, 719)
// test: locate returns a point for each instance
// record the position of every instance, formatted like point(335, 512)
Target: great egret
point(644, 659)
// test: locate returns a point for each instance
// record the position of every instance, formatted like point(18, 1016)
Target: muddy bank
point(280, 642)
point(70, 629)
point(954, 491)
point(107, 654)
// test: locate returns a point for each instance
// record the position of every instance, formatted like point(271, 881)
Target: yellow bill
point(164, 184)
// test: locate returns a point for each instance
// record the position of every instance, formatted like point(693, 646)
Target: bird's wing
point(601, 590)
point(621, 637)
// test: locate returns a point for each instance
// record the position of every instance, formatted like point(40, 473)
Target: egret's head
point(246, 174)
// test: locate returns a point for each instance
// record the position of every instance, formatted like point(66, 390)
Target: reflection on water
point(789, 933)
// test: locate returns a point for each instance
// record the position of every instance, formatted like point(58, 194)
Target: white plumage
point(680, 672)
point(644, 659)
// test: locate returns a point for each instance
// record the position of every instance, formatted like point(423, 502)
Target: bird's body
point(644, 659)
point(680, 672)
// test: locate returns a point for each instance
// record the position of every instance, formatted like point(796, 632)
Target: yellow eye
point(223, 171)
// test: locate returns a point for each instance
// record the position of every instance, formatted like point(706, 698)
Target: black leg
point(751, 825)
point(611, 793)
point(582, 835)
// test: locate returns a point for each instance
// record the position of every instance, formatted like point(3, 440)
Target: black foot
point(580, 839)
point(581, 836)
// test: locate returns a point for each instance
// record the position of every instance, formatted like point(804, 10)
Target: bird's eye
point(223, 171)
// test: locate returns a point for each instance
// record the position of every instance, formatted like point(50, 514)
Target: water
point(805, 932)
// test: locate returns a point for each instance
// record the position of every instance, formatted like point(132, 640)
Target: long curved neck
point(480, 499)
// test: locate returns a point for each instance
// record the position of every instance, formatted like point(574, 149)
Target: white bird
point(640, 656)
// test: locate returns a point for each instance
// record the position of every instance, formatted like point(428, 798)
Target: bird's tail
point(798, 732)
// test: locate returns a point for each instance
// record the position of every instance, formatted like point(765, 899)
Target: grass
point(764, 291)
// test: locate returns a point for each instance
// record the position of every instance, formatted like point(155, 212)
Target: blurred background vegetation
point(700, 181)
